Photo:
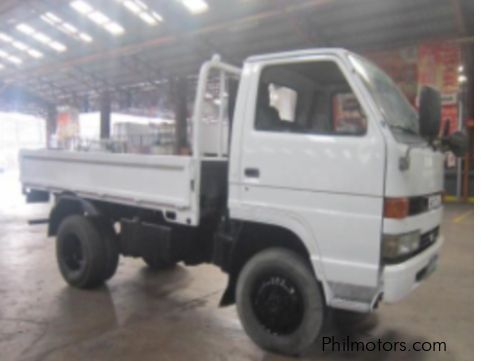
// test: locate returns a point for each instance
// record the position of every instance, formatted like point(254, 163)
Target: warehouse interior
point(120, 76)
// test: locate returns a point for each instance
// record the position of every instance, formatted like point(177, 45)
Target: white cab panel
point(341, 232)
point(423, 222)
point(424, 176)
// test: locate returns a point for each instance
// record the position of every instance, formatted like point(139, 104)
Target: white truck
point(322, 189)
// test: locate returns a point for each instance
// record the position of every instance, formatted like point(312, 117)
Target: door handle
point(252, 172)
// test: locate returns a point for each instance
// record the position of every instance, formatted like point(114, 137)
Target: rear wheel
point(86, 251)
point(279, 301)
point(111, 244)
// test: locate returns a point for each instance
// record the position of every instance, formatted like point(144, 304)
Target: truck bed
point(159, 182)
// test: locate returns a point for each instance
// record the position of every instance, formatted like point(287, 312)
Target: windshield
point(397, 111)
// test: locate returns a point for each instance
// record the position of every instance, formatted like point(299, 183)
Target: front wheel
point(279, 301)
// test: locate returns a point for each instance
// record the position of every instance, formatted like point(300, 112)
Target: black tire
point(83, 257)
point(156, 263)
point(279, 301)
point(109, 238)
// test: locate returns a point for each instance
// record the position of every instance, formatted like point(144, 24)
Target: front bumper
point(400, 279)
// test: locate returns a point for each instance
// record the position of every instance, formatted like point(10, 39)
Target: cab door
point(311, 155)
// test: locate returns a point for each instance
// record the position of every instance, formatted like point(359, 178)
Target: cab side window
point(308, 98)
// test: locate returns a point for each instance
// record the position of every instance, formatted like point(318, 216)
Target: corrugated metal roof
point(146, 55)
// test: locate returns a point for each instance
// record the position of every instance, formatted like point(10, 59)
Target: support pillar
point(50, 124)
point(105, 112)
point(179, 87)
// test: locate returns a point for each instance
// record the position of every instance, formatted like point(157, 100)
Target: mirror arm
point(405, 160)
point(435, 143)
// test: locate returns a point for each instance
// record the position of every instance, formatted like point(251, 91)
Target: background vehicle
point(322, 188)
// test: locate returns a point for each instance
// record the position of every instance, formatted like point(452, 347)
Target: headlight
point(399, 245)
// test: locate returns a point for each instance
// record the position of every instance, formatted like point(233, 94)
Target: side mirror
point(457, 143)
point(429, 112)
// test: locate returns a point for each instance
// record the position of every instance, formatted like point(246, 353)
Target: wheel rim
point(72, 253)
point(277, 304)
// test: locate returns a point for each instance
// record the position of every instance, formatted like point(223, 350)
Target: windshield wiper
point(404, 129)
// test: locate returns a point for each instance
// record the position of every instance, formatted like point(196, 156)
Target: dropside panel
point(149, 181)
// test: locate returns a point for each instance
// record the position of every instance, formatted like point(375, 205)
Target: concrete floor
point(173, 315)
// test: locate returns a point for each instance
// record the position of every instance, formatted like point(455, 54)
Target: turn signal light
point(397, 208)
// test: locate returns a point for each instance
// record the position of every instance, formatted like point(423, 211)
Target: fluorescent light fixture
point(52, 17)
point(24, 28)
point(11, 58)
point(34, 53)
point(81, 6)
point(5, 38)
point(149, 19)
point(195, 6)
point(157, 16)
point(65, 27)
point(85, 37)
point(132, 6)
point(15, 60)
point(69, 28)
point(97, 17)
point(114, 28)
point(142, 4)
point(41, 37)
point(57, 46)
point(141, 10)
point(20, 46)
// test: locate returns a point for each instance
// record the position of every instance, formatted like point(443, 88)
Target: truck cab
point(316, 148)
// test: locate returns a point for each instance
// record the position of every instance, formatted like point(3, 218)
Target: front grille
point(428, 239)
point(419, 204)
